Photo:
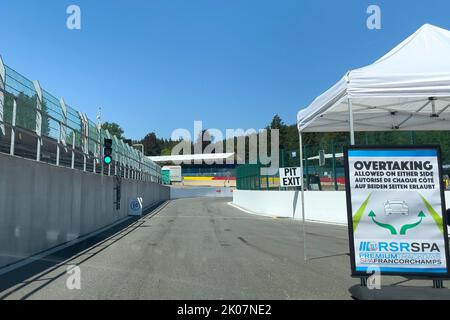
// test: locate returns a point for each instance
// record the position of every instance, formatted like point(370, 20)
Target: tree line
point(156, 146)
point(289, 140)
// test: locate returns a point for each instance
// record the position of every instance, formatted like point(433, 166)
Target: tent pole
point(302, 194)
point(350, 114)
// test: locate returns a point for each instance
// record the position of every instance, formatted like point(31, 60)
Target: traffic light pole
point(107, 161)
point(117, 188)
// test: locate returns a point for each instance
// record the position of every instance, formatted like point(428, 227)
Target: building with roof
point(213, 169)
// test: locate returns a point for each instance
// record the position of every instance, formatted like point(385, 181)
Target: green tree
point(151, 144)
point(166, 152)
point(277, 123)
point(26, 112)
point(113, 129)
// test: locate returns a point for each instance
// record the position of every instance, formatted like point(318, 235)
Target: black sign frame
point(413, 275)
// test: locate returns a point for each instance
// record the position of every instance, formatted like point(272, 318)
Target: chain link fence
point(331, 171)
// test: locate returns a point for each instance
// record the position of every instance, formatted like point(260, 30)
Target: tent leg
point(350, 114)
point(302, 195)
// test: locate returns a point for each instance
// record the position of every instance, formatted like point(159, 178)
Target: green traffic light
point(107, 160)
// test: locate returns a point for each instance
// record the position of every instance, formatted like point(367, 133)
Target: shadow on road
point(66, 255)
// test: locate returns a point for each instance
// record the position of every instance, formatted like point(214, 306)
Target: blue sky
point(157, 65)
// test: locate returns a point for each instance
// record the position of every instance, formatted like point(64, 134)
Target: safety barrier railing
point(34, 124)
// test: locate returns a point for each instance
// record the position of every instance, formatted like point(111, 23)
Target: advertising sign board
point(396, 206)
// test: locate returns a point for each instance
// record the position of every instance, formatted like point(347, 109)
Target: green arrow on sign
point(382, 225)
point(406, 227)
point(358, 215)
point(436, 217)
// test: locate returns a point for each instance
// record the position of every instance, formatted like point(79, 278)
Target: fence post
point(100, 149)
point(72, 164)
point(39, 100)
point(84, 137)
point(413, 137)
point(57, 144)
point(2, 96)
point(259, 176)
point(62, 128)
point(306, 165)
point(13, 128)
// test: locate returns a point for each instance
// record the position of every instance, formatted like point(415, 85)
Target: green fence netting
point(331, 172)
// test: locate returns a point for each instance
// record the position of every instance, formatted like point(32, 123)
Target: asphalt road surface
point(196, 249)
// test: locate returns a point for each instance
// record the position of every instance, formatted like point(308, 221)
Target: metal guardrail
point(36, 125)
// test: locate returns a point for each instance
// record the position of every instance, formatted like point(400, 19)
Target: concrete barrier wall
point(323, 206)
point(43, 206)
point(180, 193)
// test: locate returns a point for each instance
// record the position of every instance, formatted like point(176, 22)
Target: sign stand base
point(437, 292)
point(363, 281)
point(438, 284)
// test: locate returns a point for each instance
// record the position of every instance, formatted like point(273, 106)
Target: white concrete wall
point(323, 206)
point(43, 206)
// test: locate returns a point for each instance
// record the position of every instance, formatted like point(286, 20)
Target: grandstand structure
point(34, 124)
point(203, 169)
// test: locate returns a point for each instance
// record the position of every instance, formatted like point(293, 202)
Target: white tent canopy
point(407, 89)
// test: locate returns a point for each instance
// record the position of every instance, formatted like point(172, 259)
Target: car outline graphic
point(396, 207)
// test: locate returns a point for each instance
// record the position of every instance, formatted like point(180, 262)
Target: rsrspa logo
point(369, 246)
point(393, 246)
